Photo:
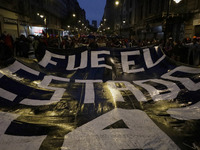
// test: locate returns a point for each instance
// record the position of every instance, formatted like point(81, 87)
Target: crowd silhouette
point(186, 51)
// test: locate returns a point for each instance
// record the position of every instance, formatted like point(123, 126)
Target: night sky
point(94, 9)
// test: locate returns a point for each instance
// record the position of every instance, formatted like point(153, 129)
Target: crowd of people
point(6, 47)
point(186, 51)
point(21, 47)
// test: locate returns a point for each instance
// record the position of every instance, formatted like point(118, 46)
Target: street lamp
point(44, 18)
point(167, 16)
point(117, 2)
point(74, 15)
point(177, 1)
point(41, 16)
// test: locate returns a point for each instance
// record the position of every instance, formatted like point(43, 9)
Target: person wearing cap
point(169, 47)
point(194, 53)
point(92, 42)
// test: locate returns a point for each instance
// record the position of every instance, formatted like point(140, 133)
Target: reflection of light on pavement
point(112, 60)
point(156, 48)
point(114, 95)
point(52, 113)
point(65, 126)
point(8, 73)
point(37, 82)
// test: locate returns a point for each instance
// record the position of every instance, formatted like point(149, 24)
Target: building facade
point(35, 16)
point(155, 19)
point(94, 23)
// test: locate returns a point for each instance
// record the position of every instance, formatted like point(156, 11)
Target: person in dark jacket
point(5, 52)
point(92, 42)
point(194, 52)
point(41, 48)
point(22, 47)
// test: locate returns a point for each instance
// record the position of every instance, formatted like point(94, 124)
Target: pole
point(18, 25)
point(121, 16)
point(46, 28)
point(166, 21)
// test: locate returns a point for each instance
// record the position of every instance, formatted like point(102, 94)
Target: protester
point(194, 52)
point(22, 46)
point(9, 42)
point(35, 43)
point(41, 48)
point(178, 50)
point(5, 52)
point(92, 42)
point(169, 47)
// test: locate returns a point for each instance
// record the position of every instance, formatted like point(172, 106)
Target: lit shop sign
point(10, 21)
point(196, 22)
point(14, 21)
point(36, 30)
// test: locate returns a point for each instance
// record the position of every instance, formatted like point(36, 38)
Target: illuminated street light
point(38, 14)
point(117, 3)
point(104, 19)
point(167, 17)
point(41, 16)
point(68, 26)
point(74, 15)
point(177, 1)
point(45, 20)
point(124, 21)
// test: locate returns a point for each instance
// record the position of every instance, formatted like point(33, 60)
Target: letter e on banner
point(126, 64)
point(95, 59)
